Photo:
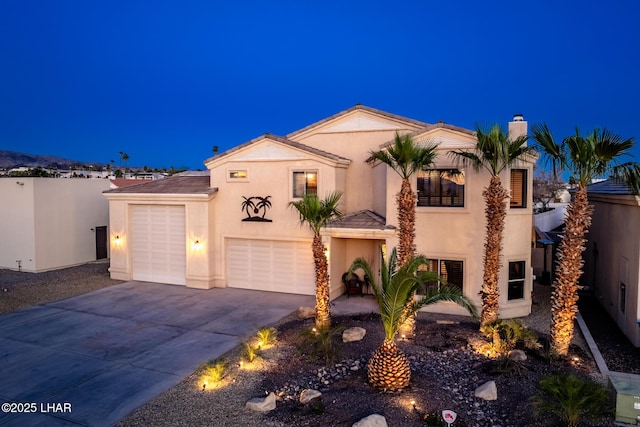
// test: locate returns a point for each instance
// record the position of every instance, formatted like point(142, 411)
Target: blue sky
point(165, 81)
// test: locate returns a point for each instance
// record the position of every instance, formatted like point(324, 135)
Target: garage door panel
point(277, 266)
point(159, 244)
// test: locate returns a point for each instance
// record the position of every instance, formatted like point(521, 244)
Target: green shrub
point(571, 398)
point(249, 352)
point(212, 372)
point(266, 336)
point(505, 335)
point(322, 342)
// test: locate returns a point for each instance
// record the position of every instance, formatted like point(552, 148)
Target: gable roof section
point(287, 143)
point(370, 120)
point(177, 184)
point(364, 220)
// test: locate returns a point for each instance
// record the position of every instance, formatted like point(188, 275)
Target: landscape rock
point(487, 391)
point(374, 420)
point(517, 355)
point(262, 404)
point(353, 334)
point(306, 312)
point(308, 395)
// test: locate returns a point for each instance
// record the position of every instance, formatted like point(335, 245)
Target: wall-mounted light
point(117, 240)
point(196, 245)
point(19, 182)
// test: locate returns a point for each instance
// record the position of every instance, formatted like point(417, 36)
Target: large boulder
point(374, 420)
point(353, 334)
point(308, 394)
point(487, 391)
point(264, 404)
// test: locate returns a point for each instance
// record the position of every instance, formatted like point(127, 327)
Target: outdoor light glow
point(117, 240)
point(196, 245)
point(413, 403)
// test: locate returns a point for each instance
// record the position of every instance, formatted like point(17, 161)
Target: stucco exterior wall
point(614, 232)
point(53, 221)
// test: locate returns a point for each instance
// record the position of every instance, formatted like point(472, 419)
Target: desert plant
point(388, 367)
point(505, 335)
point(322, 342)
point(597, 154)
point(494, 152)
point(266, 336)
point(249, 352)
point(571, 398)
point(316, 213)
point(212, 372)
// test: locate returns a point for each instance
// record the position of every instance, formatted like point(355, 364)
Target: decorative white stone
point(308, 394)
point(264, 404)
point(353, 334)
point(374, 420)
point(517, 355)
point(487, 391)
point(306, 312)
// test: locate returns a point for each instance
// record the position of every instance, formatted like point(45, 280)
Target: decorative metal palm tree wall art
point(256, 208)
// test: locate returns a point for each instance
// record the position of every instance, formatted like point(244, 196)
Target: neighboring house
point(49, 223)
point(232, 225)
point(612, 257)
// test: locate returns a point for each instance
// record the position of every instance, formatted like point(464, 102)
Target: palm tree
point(494, 152)
point(584, 158)
point(316, 213)
point(406, 158)
point(388, 367)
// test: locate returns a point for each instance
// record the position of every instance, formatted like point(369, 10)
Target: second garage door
point(271, 265)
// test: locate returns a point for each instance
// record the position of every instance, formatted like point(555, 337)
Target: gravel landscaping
point(445, 368)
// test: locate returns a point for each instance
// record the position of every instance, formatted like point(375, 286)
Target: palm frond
point(317, 212)
point(405, 156)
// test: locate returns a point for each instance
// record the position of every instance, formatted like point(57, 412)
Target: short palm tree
point(584, 157)
point(406, 158)
point(389, 367)
point(493, 152)
point(316, 213)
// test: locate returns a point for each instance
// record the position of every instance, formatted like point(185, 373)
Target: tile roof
point(177, 184)
point(365, 219)
point(284, 141)
point(610, 186)
point(125, 182)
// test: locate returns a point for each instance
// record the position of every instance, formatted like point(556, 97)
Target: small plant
point(505, 335)
point(571, 398)
point(316, 407)
point(266, 336)
point(434, 419)
point(249, 352)
point(322, 342)
point(212, 373)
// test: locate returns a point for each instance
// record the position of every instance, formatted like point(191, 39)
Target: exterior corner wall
point(199, 249)
point(120, 267)
point(17, 224)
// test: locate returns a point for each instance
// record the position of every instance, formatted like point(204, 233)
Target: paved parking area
point(92, 359)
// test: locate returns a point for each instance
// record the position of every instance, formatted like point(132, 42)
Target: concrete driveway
point(93, 359)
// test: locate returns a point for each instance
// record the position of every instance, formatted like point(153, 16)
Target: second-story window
point(305, 182)
point(441, 187)
point(518, 188)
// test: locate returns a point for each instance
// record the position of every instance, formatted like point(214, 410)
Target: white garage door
point(159, 244)
point(271, 265)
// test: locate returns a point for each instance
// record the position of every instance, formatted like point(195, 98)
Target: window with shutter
point(518, 188)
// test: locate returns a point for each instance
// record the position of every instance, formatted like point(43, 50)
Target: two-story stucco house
point(233, 227)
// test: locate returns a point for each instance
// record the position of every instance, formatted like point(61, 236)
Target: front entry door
point(101, 242)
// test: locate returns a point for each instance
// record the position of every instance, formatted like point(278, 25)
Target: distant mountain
point(12, 159)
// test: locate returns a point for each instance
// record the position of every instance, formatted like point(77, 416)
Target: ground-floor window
point(516, 280)
point(451, 271)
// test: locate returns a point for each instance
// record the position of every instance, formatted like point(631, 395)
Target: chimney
point(517, 127)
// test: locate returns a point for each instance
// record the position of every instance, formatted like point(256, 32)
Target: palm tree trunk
point(495, 212)
point(389, 368)
point(323, 314)
point(564, 298)
point(406, 200)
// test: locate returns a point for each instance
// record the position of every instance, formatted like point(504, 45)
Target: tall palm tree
point(584, 157)
point(389, 367)
point(316, 213)
point(494, 152)
point(406, 158)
